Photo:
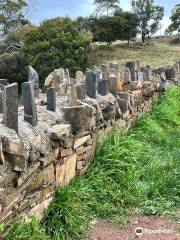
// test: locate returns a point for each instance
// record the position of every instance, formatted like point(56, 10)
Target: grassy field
point(134, 173)
point(157, 52)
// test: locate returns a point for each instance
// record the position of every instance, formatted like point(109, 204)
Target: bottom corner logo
point(139, 231)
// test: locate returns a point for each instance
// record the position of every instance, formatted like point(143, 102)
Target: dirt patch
point(150, 228)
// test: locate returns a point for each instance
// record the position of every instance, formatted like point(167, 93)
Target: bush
point(56, 43)
point(13, 68)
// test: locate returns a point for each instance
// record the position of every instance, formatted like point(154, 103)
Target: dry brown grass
point(157, 52)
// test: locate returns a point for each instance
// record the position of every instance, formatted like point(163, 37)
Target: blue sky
point(45, 9)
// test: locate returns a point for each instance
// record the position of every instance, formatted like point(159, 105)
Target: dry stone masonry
point(51, 137)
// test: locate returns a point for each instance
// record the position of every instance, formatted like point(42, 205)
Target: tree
point(121, 26)
point(10, 14)
point(129, 24)
point(56, 43)
point(13, 40)
point(106, 5)
point(13, 67)
point(175, 18)
point(149, 16)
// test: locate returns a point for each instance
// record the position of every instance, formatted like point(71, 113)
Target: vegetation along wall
point(49, 136)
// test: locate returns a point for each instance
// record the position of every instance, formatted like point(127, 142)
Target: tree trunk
point(128, 37)
point(143, 38)
point(107, 10)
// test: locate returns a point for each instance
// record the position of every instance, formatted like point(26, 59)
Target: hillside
point(157, 52)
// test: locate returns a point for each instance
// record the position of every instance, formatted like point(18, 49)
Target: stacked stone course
point(51, 138)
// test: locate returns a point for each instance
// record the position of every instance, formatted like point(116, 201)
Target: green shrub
point(56, 43)
point(13, 68)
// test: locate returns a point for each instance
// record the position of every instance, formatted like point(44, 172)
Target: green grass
point(135, 173)
point(157, 52)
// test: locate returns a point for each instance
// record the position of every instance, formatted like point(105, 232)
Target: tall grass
point(135, 173)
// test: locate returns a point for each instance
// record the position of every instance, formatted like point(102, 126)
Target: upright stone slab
point(103, 87)
point(2, 87)
point(105, 72)
point(98, 73)
point(163, 77)
point(113, 84)
point(176, 66)
point(1, 154)
point(3, 82)
point(72, 95)
point(170, 73)
point(34, 78)
point(126, 75)
point(61, 74)
point(1, 101)
point(30, 114)
point(11, 106)
point(140, 76)
point(91, 82)
point(80, 88)
point(81, 118)
point(146, 75)
point(66, 72)
point(51, 99)
point(113, 67)
point(131, 66)
point(80, 77)
point(137, 65)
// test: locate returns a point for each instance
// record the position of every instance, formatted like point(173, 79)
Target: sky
point(46, 9)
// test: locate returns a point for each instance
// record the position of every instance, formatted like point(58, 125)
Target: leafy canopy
point(11, 13)
point(149, 16)
point(57, 43)
point(106, 5)
point(175, 18)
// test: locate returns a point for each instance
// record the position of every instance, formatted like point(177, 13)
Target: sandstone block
point(81, 141)
point(66, 172)
point(50, 158)
point(38, 210)
point(81, 118)
point(67, 143)
point(16, 154)
point(60, 131)
point(80, 150)
point(79, 165)
point(66, 152)
point(44, 178)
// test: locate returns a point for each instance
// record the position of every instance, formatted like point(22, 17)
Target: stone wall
point(52, 136)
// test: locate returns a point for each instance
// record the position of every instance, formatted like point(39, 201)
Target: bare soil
point(151, 228)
